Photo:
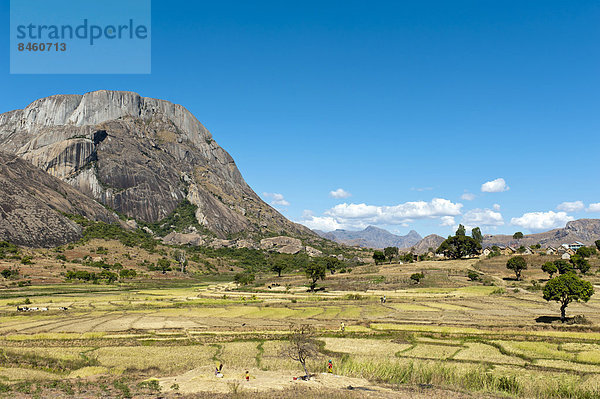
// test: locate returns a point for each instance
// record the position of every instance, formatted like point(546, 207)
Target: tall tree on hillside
point(518, 235)
point(378, 257)
point(549, 268)
point(278, 263)
point(517, 264)
point(459, 246)
point(390, 252)
point(461, 231)
point(332, 264)
point(597, 242)
point(315, 271)
point(476, 234)
point(563, 266)
point(567, 288)
point(580, 262)
point(586, 252)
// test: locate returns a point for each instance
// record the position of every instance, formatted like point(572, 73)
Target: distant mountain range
point(371, 237)
point(584, 230)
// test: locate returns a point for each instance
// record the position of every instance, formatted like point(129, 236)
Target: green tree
point(597, 242)
point(315, 271)
point(164, 265)
point(476, 234)
point(461, 231)
point(417, 277)
point(378, 257)
point(563, 266)
point(390, 252)
point(567, 288)
point(278, 264)
point(244, 278)
point(408, 257)
point(517, 264)
point(586, 252)
point(459, 246)
point(549, 268)
point(518, 235)
point(332, 264)
point(580, 262)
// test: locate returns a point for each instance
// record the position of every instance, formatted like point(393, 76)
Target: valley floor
point(446, 337)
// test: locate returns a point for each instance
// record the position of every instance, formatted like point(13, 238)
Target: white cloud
point(447, 221)
point(325, 223)
point(574, 206)
point(357, 216)
point(594, 207)
point(276, 199)
point(339, 193)
point(421, 189)
point(496, 207)
point(494, 186)
point(468, 196)
point(537, 221)
point(482, 217)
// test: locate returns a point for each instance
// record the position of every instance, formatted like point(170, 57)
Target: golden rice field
point(466, 340)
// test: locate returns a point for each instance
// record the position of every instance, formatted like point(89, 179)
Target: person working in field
point(342, 327)
point(247, 376)
point(218, 371)
point(330, 367)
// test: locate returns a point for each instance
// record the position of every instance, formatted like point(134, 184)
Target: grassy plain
point(445, 337)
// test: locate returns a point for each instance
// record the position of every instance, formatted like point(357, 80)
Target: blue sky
point(409, 106)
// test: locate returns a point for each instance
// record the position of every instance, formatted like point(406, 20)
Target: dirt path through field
point(203, 380)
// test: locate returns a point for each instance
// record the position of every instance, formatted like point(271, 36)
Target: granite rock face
point(32, 204)
point(141, 157)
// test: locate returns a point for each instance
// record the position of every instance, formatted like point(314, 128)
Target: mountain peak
point(141, 157)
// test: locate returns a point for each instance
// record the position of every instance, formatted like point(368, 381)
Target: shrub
point(417, 277)
point(244, 278)
point(472, 275)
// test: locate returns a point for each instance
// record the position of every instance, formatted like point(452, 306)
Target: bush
point(473, 276)
point(10, 274)
point(127, 273)
point(27, 260)
point(417, 277)
point(244, 278)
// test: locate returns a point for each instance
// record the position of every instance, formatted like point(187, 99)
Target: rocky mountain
point(371, 237)
point(141, 157)
point(431, 241)
point(32, 204)
point(584, 230)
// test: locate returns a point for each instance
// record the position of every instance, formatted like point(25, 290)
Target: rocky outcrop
point(175, 238)
point(141, 157)
point(282, 244)
point(312, 252)
point(33, 204)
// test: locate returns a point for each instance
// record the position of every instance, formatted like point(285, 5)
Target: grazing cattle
point(22, 308)
point(43, 309)
point(63, 308)
point(34, 309)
